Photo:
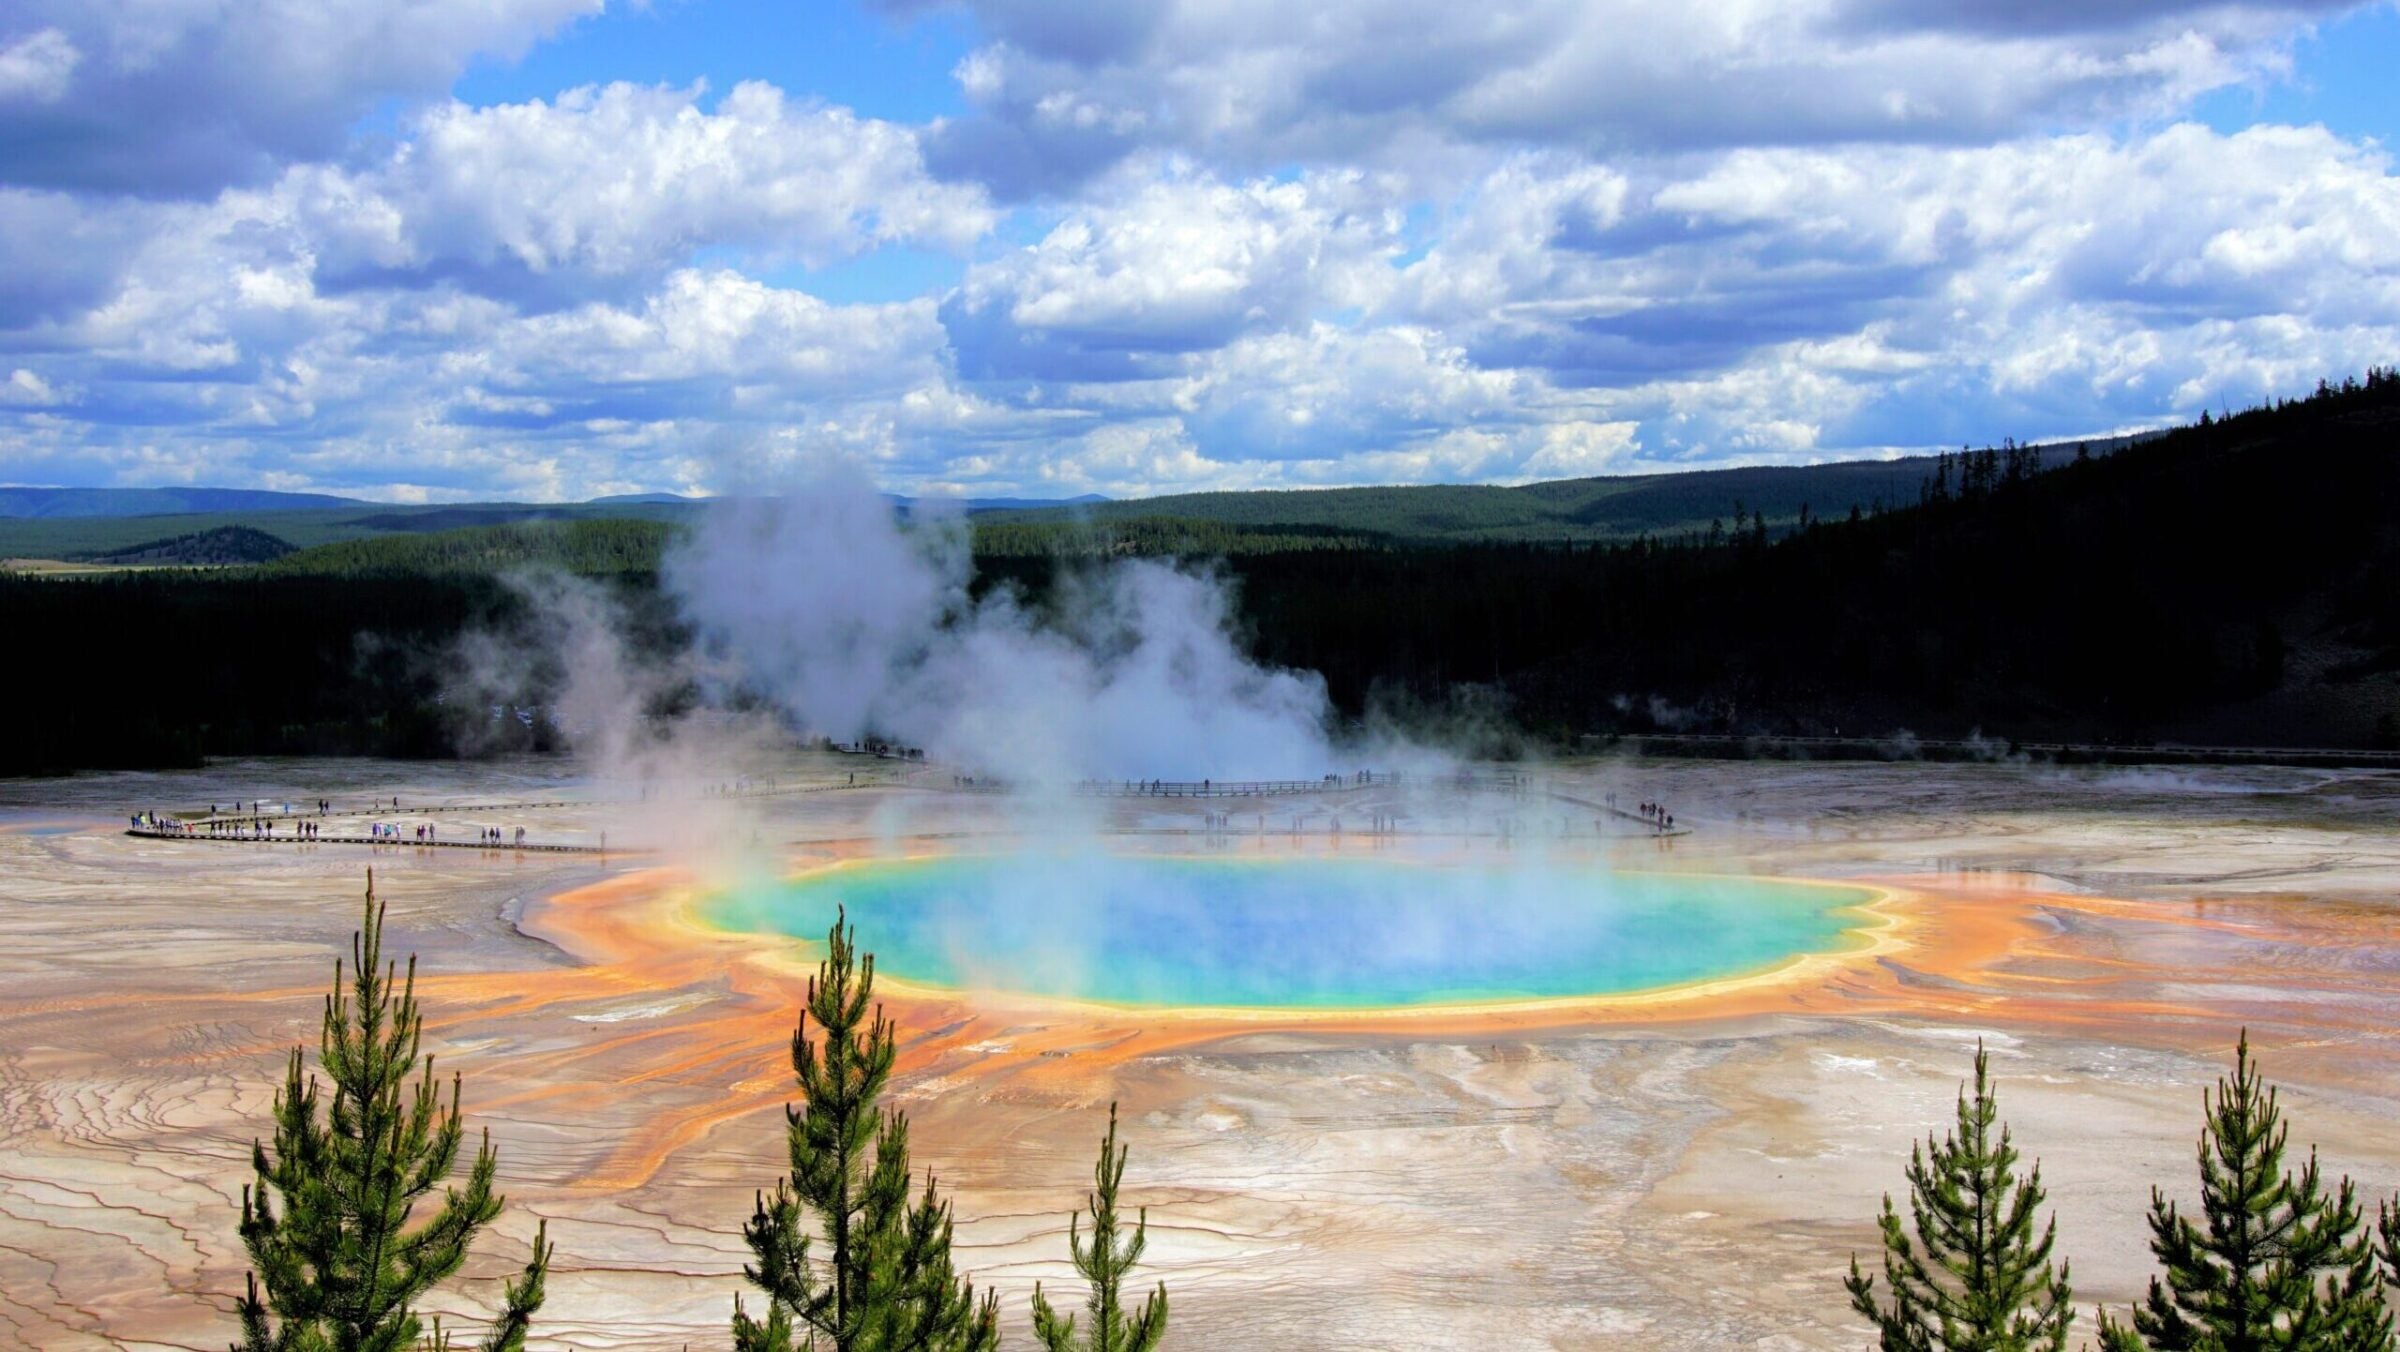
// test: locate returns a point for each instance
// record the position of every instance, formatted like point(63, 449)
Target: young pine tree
point(2389, 1231)
point(884, 1282)
point(1977, 1276)
point(1104, 1263)
point(2274, 1263)
point(337, 1264)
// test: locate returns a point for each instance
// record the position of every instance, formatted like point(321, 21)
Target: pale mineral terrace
point(1688, 1172)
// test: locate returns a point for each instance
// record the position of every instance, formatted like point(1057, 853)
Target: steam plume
point(856, 626)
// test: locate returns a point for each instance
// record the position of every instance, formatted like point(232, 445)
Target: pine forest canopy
point(2234, 582)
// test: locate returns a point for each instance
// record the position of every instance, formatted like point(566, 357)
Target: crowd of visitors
point(254, 820)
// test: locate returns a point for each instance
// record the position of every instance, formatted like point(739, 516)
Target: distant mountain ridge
point(38, 503)
point(89, 523)
point(1611, 507)
point(904, 505)
point(52, 503)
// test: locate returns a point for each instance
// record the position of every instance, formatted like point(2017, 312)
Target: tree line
point(2235, 580)
point(2159, 591)
point(588, 547)
point(1004, 537)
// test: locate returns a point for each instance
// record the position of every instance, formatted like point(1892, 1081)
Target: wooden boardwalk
point(1648, 825)
point(1207, 788)
point(1511, 783)
point(1250, 788)
point(181, 835)
point(1739, 746)
point(286, 811)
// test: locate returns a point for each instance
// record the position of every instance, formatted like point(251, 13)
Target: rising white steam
point(571, 652)
point(858, 626)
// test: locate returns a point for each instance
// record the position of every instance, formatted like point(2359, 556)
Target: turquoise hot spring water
point(1363, 932)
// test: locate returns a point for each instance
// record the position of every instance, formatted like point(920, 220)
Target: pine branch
point(2388, 1234)
point(1103, 1263)
point(523, 1297)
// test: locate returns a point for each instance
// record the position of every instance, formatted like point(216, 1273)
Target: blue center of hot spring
point(1285, 933)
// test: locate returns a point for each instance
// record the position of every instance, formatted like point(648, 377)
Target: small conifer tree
point(1976, 1276)
point(336, 1264)
point(885, 1282)
point(1103, 1263)
point(2275, 1261)
point(2389, 1230)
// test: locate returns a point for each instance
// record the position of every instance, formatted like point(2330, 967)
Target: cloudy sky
point(539, 249)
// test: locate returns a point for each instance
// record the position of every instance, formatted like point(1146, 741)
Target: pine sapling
point(1968, 1271)
point(1104, 1262)
point(2275, 1260)
point(884, 1280)
point(335, 1262)
point(2388, 1231)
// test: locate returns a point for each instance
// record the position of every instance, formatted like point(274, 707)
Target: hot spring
point(1297, 932)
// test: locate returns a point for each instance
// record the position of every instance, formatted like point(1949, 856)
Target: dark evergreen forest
point(2237, 581)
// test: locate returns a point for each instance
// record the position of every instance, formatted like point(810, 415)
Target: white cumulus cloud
point(182, 97)
point(1167, 245)
point(625, 181)
point(36, 68)
point(1254, 84)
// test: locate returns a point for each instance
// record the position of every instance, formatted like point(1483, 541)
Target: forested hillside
point(590, 547)
point(88, 525)
point(1615, 508)
point(225, 546)
point(2236, 581)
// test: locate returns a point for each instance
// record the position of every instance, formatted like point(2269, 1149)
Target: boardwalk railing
point(396, 842)
point(1508, 781)
point(1216, 788)
point(1902, 747)
point(283, 810)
